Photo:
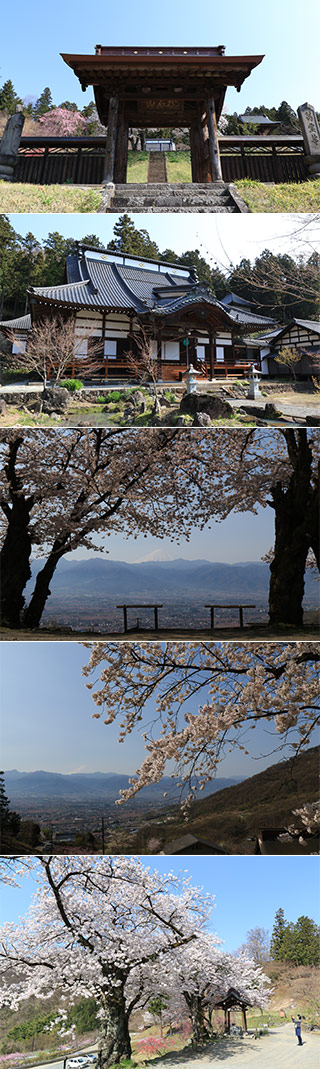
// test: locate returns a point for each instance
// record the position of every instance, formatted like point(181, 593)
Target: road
point(278, 1049)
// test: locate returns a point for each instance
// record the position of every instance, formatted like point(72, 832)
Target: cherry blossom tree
point(59, 489)
point(100, 926)
point(205, 978)
point(247, 684)
point(60, 122)
point(161, 482)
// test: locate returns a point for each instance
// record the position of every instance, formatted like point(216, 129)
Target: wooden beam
point(108, 175)
point(214, 153)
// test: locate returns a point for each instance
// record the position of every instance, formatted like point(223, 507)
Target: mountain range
point(41, 785)
point(200, 580)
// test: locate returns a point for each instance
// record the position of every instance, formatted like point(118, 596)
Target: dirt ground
point(222, 634)
point(278, 1050)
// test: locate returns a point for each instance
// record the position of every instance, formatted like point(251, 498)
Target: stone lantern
point(191, 380)
point(254, 386)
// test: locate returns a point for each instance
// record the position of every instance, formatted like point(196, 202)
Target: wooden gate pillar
point(244, 1020)
point(109, 161)
point(121, 149)
point(213, 143)
point(196, 146)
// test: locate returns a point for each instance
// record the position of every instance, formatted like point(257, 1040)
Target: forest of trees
point(278, 285)
point(284, 114)
point(296, 943)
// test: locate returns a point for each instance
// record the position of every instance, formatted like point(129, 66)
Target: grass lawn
point(25, 197)
point(178, 166)
point(285, 197)
point(137, 166)
point(259, 196)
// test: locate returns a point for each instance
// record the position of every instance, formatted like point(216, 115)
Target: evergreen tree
point(43, 104)
point(287, 116)
point(301, 943)
point(68, 105)
point(9, 98)
point(277, 936)
point(9, 820)
point(130, 240)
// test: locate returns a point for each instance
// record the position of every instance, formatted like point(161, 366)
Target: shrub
point(114, 396)
point(72, 385)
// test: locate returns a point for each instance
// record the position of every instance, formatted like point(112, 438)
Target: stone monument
point(311, 138)
point(9, 144)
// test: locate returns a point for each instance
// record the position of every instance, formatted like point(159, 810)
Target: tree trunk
point(15, 553)
point(115, 1036)
point(15, 564)
point(295, 525)
point(41, 593)
point(197, 1014)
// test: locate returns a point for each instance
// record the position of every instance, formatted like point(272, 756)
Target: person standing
point(297, 1028)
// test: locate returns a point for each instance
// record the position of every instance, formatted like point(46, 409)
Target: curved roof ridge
point(130, 293)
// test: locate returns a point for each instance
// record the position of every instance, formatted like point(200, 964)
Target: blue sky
point(33, 36)
point(44, 699)
point(248, 891)
point(221, 240)
point(241, 537)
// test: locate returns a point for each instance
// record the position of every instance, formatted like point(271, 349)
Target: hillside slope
point(232, 818)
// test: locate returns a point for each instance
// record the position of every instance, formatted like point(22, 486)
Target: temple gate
point(161, 87)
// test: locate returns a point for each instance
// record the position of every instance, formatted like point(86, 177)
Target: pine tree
point(278, 933)
point(43, 104)
point(130, 240)
point(301, 943)
point(9, 820)
point(9, 98)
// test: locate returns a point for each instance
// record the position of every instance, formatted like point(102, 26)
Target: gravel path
point(278, 1050)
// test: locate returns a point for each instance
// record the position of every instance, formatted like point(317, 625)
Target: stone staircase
point(157, 168)
point(180, 197)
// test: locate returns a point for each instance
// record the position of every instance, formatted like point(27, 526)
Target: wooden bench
point(144, 606)
point(240, 607)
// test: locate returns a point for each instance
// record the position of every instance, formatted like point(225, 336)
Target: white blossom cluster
point(109, 927)
point(248, 683)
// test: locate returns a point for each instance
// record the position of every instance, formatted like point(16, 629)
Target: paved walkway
point(278, 1050)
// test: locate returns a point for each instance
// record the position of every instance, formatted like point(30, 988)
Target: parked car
point(80, 1061)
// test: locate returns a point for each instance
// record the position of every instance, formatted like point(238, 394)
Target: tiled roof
point(249, 319)
point(22, 323)
point(94, 282)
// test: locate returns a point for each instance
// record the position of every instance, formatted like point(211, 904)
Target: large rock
point(55, 399)
point(215, 407)
point(201, 419)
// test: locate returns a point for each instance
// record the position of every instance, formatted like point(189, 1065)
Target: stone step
point(157, 168)
point(181, 197)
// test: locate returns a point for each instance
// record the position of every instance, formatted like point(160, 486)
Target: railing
point(80, 160)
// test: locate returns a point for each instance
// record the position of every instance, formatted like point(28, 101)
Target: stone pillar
point(9, 144)
point(311, 138)
point(214, 152)
point(109, 162)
